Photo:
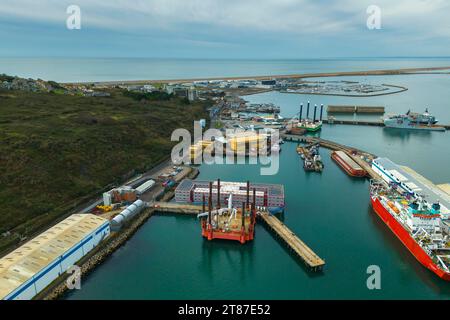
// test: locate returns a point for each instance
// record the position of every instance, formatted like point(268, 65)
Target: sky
point(235, 29)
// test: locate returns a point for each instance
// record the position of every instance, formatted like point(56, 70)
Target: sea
point(168, 259)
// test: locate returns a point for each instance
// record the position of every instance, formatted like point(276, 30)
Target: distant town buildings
point(31, 85)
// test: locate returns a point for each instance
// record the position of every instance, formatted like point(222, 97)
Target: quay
point(311, 260)
point(172, 207)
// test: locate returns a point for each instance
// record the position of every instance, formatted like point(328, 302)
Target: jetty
point(297, 246)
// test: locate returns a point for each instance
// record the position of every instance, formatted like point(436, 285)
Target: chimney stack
point(315, 110)
point(307, 111)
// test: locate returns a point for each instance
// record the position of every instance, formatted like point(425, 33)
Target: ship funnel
point(307, 111)
point(218, 194)
point(300, 114)
point(321, 111)
point(315, 110)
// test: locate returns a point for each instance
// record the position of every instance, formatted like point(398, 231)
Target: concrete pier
point(311, 260)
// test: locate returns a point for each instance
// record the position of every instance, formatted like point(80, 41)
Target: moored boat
point(402, 205)
point(348, 164)
point(414, 121)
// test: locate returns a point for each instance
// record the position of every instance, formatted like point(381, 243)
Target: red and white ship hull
point(407, 240)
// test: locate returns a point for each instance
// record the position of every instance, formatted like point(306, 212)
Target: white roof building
point(29, 269)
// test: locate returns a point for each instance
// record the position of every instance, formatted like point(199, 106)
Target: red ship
point(229, 223)
point(416, 225)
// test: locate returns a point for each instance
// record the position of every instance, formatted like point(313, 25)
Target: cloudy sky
point(225, 28)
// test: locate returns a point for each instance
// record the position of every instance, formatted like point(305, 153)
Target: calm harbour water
point(168, 259)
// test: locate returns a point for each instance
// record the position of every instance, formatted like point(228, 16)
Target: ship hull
point(424, 128)
point(408, 241)
point(347, 168)
point(312, 129)
point(403, 125)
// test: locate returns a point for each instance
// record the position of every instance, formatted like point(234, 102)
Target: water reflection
point(405, 135)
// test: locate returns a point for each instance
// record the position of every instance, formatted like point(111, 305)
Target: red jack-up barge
point(228, 223)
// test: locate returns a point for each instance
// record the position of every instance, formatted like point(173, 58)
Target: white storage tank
point(116, 222)
point(127, 214)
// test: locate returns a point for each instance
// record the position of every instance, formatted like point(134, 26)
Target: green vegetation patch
point(58, 150)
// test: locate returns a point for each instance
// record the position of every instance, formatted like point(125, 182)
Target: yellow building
point(247, 140)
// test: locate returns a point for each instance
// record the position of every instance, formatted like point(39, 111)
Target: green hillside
point(57, 150)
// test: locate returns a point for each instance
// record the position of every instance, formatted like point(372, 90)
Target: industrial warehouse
point(31, 268)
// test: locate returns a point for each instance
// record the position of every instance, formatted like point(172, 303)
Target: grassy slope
point(56, 149)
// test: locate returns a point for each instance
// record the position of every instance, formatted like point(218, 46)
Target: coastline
point(269, 77)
